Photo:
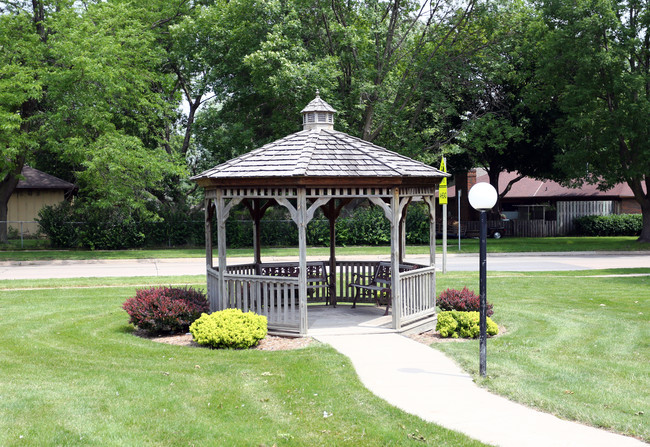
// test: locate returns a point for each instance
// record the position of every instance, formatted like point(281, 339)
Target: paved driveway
point(516, 262)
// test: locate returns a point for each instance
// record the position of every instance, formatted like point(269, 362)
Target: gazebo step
point(279, 333)
point(417, 327)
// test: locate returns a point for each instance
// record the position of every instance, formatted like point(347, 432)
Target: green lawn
point(575, 346)
point(504, 245)
point(74, 374)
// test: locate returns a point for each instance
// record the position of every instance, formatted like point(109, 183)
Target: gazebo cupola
point(318, 115)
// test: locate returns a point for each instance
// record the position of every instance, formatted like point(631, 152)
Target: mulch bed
point(274, 343)
point(269, 343)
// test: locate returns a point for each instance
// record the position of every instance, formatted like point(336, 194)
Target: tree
point(497, 128)
point(84, 86)
point(21, 90)
point(369, 59)
point(596, 66)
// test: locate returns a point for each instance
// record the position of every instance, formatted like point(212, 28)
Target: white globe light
point(482, 196)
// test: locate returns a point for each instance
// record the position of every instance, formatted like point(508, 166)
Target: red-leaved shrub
point(464, 300)
point(165, 309)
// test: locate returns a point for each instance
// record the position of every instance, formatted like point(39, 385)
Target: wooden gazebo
point(317, 167)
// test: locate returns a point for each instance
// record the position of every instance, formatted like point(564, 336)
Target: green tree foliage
point(82, 88)
point(493, 124)
point(596, 63)
point(368, 58)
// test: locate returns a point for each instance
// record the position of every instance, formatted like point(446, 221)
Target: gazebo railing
point(213, 288)
point(418, 294)
point(241, 269)
point(276, 297)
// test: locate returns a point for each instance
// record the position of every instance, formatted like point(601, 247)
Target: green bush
point(612, 225)
point(229, 328)
point(110, 229)
point(417, 224)
point(56, 222)
point(176, 227)
point(457, 324)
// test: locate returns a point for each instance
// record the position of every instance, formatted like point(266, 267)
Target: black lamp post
point(482, 197)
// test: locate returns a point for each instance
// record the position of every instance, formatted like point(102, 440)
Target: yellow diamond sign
point(442, 189)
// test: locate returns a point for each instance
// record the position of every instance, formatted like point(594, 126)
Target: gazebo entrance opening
point(318, 168)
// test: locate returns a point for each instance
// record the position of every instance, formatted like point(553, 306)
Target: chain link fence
point(21, 230)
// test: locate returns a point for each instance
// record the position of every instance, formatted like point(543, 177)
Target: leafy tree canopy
point(596, 64)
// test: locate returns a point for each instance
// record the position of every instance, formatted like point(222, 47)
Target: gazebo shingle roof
point(320, 156)
point(320, 153)
point(318, 105)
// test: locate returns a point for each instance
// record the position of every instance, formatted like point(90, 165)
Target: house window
point(535, 212)
point(321, 117)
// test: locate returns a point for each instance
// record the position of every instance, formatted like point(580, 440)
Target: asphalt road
point(517, 262)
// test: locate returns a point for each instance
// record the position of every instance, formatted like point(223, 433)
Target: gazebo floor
point(343, 320)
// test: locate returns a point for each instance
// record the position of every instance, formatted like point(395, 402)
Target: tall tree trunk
point(642, 197)
point(645, 230)
point(7, 188)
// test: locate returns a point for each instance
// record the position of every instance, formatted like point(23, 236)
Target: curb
point(245, 259)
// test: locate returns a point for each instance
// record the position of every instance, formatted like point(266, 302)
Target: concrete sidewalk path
point(422, 381)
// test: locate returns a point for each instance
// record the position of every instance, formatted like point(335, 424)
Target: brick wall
point(630, 206)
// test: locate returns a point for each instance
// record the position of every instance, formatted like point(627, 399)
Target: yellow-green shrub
point(229, 328)
point(456, 324)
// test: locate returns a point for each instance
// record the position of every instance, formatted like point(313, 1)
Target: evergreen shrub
point(612, 225)
point(230, 329)
point(457, 324)
point(462, 300)
point(165, 309)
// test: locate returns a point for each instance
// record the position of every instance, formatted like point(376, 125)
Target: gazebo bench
point(378, 285)
point(317, 277)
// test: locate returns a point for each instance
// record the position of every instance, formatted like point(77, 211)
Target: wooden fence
point(532, 228)
point(568, 211)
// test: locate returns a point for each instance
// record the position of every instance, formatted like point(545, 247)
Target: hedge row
point(366, 226)
point(612, 225)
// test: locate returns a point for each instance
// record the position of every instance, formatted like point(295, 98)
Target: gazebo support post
point(332, 212)
point(402, 232)
point(257, 250)
point(257, 211)
point(209, 214)
point(395, 259)
point(302, 215)
point(332, 215)
point(223, 210)
point(431, 202)
point(221, 249)
point(302, 261)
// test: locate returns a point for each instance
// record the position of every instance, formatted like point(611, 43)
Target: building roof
point(35, 179)
point(528, 188)
point(320, 156)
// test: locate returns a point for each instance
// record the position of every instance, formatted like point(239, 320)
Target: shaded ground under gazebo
point(318, 167)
